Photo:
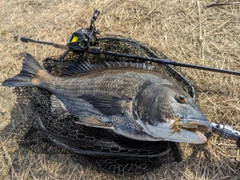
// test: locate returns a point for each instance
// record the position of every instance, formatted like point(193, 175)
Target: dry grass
point(183, 30)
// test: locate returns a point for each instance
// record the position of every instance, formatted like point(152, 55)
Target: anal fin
point(93, 122)
point(58, 108)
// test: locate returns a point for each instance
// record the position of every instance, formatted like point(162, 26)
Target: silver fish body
point(129, 98)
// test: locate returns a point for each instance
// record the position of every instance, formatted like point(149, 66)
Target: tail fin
point(24, 78)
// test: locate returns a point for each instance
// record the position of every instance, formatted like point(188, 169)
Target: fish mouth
point(197, 127)
point(191, 125)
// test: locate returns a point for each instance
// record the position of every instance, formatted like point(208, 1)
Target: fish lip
point(195, 125)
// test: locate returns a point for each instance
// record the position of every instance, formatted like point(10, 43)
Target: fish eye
point(180, 98)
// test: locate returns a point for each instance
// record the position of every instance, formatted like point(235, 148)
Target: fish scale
point(125, 84)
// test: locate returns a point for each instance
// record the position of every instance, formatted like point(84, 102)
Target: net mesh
point(104, 149)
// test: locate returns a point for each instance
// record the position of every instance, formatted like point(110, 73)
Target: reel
point(80, 40)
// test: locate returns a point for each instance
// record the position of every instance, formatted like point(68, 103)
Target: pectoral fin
point(107, 104)
point(93, 122)
point(58, 108)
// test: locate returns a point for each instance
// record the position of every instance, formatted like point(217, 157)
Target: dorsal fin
point(82, 67)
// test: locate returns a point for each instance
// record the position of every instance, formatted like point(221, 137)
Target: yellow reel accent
point(74, 39)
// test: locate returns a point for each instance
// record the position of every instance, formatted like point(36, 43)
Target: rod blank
point(97, 50)
point(56, 45)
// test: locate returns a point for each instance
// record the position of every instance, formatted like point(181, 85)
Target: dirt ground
point(185, 31)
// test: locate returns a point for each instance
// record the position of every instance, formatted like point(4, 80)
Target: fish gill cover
point(110, 152)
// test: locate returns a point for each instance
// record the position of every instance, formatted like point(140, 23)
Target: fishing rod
point(98, 51)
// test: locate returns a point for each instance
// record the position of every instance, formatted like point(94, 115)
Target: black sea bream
point(130, 99)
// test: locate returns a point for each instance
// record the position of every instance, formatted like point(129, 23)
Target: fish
point(130, 99)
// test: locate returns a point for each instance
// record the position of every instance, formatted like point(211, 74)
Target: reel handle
point(92, 28)
point(95, 15)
